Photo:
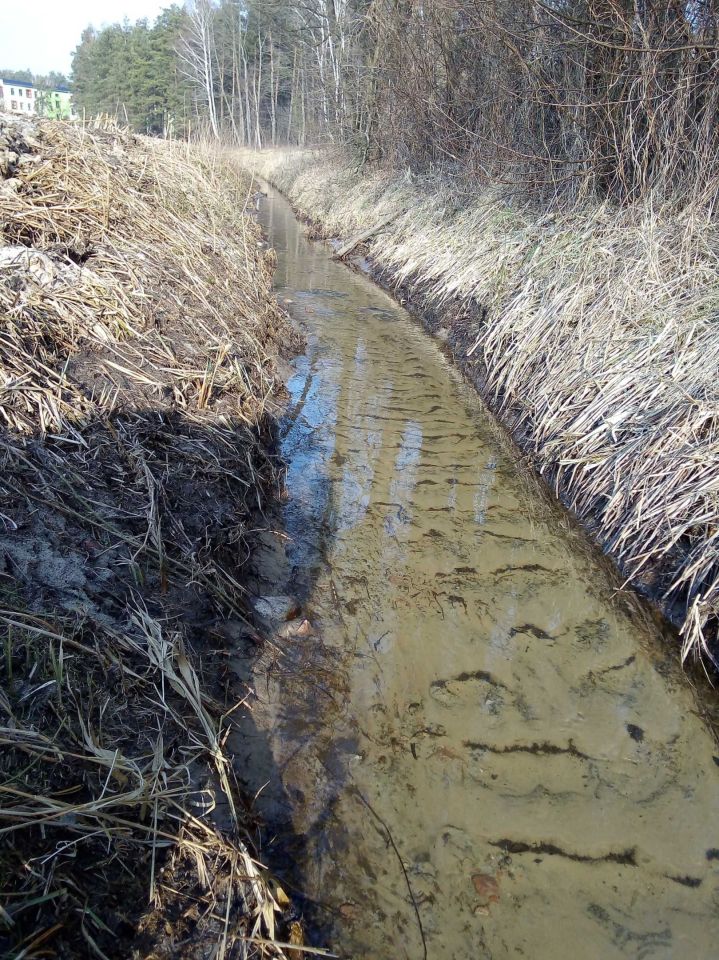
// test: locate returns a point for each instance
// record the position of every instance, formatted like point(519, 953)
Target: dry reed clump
point(596, 332)
point(137, 337)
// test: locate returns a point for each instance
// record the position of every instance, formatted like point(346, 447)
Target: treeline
point(132, 71)
point(255, 72)
point(43, 81)
point(603, 97)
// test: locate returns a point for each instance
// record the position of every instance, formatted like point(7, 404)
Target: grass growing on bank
point(137, 346)
point(595, 332)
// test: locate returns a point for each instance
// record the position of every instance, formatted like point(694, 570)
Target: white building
point(17, 96)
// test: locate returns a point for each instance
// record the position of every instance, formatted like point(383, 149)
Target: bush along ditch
point(591, 330)
point(138, 392)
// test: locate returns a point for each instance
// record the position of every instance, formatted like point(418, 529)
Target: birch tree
point(196, 52)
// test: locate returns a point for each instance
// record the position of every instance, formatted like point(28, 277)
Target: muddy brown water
point(484, 750)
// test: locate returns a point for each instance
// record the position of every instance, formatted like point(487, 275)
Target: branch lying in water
point(390, 838)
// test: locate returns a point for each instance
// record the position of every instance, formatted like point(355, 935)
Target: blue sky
point(40, 36)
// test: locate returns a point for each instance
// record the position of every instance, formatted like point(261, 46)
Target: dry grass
point(137, 346)
point(596, 329)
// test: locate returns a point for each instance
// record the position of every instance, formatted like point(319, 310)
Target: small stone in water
point(296, 628)
point(276, 608)
point(486, 886)
point(349, 911)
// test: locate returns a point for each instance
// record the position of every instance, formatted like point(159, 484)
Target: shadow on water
point(482, 750)
point(299, 686)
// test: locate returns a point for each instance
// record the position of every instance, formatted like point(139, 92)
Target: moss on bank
point(138, 339)
point(593, 332)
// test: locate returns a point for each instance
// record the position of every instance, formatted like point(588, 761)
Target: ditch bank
point(591, 334)
point(139, 388)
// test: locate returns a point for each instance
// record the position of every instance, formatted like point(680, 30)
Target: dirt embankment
point(592, 334)
point(138, 387)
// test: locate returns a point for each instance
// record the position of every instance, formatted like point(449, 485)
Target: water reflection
point(499, 748)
